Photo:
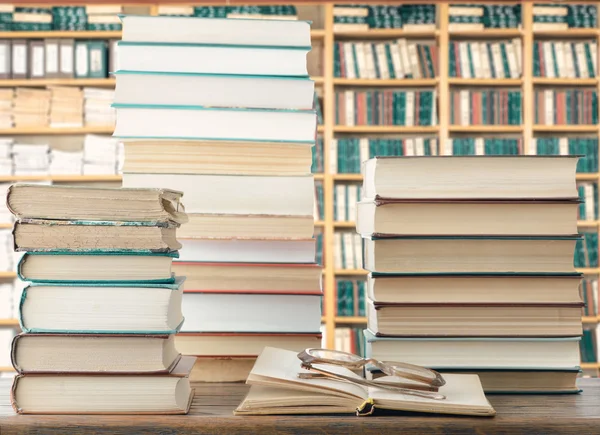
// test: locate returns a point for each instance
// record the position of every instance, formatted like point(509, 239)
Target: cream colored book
point(277, 389)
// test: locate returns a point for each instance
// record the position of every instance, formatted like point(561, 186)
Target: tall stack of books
point(222, 109)
point(66, 106)
point(102, 303)
point(472, 271)
point(31, 107)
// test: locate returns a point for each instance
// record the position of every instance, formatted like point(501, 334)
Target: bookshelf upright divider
point(443, 88)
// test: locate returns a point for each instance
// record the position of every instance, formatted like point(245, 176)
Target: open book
point(277, 389)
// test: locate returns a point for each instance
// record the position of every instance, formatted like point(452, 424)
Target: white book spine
point(382, 61)
point(485, 61)
point(349, 257)
point(581, 60)
point(518, 48)
point(357, 251)
point(409, 147)
point(563, 146)
point(419, 146)
point(349, 107)
point(479, 146)
point(465, 107)
point(370, 57)
point(474, 47)
point(548, 59)
point(361, 60)
point(434, 109)
point(333, 159)
point(340, 202)
point(588, 194)
point(352, 199)
point(560, 59)
point(594, 51)
point(533, 147)
point(349, 60)
point(337, 249)
point(364, 150)
point(410, 107)
point(464, 60)
point(403, 46)
point(568, 55)
point(396, 59)
point(414, 61)
point(449, 148)
point(549, 96)
point(512, 60)
point(498, 61)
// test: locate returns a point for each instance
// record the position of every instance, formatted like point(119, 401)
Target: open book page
point(280, 368)
point(276, 400)
point(464, 395)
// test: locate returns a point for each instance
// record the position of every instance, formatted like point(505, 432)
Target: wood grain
point(213, 404)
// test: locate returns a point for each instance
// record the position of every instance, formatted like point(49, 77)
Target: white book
point(533, 147)
point(548, 59)
point(434, 120)
point(370, 60)
point(333, 158)
point(485, 61)
point(396, 59)
point(406, 65)
point(213, 59)
point(512, 60)
point(474, 48)
point(419, 146)
point(549, 115)
point(465, 11)
point(349, 257)
point(516, 42)
point(414, 60)
point(498, 61)
point(382, 61)
point(357, 251)
point(337, 250)
point(361, 60)
point(340, 202)
point(364, 150)
point(550, 10)
point(409, 147)
point(213, 90)
point(348, 53)
point(352, 193)
point(563, 146)
point(581, 60)
point(560, 59)
point(349, 107)
point(228, 194)
point(479, 146)
point(594, 51)
point(465, 67)
point(588, 192)
point(465, 107)
point(188, 30)
point(248, 250)
point(410, 107)
point(215, 123)
point(568, 56)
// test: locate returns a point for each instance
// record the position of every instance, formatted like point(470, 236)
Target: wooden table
point(211, 413)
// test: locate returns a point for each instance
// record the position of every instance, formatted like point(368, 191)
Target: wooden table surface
point(212, 407)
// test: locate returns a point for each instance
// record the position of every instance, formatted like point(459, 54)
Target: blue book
point(96, 308)
point(95, 267)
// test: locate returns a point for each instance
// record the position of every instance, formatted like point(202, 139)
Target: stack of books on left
point(472, 270)
point(102, 305)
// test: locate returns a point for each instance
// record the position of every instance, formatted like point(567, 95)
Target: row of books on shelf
point(586, 250)
point(350, 297)
point(482, 60)
point(347, 250)
point(246, 11)
point(90, 17)
point(56, 106)
point(483, 16)
point(485, 107)
point(565, 59)
point(385, 60)
point(386, 107)
point(557, 16)
point(589, 346)
point(345, 199)
point(589, 294)
point(586, 147)
point(57, 58)
point(361, 17)
point(100, 155)
point(565, 106)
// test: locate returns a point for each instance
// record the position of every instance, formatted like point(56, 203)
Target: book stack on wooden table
point(471, 267)
point(222, 110)
point(102, 306)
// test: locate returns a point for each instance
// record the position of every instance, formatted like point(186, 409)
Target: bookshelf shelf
point(590, 319)
point(318, 33)
point(588, 223)
point(57, 82)
point(351, 272)
point(76, 34)
point(319, 176)
point(565, 128)
point(351, 320)
point(567, 33)
point(6, 369)
point(56, 130)
point(384, 33)
point(345, 224)
point(385, 129)
point(485, 128)
point(590, 366)
point(486, 33)
point(319, 224)
point(61, 178)
point(385, 82)
point(347, 177)
point(589, 270)
point(551, 81)
point(318, 80)
point(587, 177)
point(6, 226)
point(457, 81)
point(9, 322)
point(8, 275)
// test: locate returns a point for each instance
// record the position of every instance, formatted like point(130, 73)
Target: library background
point(483, 79)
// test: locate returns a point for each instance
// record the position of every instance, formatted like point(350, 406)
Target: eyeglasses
point(424, 382)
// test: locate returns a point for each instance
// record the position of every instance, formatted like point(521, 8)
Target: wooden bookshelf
point(9, 322)
point(590, 366)
point(7, 369)
point(550, 81)
point(385, 82)
point(351, 320)
point(8, 275)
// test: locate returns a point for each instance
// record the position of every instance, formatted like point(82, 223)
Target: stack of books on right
point(471, 267)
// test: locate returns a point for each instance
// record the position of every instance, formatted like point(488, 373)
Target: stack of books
point(66, 106)
point(486, 60)
point(248, 251)
point(97, 107)
point(486, 107)
point(473, 271)
point(99, 265)
point(100, 155)
point(6, 107)
point(103, 17)
point(565, 59)
point(31, 159)
point(578, 106)
point(31, 107)
point(482, 16)
point(66, 162)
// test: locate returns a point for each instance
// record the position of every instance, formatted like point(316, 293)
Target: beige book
point(277, 389)
point(342, 27)
point(221, 369)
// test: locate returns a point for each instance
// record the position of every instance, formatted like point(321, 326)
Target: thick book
point(230, 194)
point(214, 90)
point(208, 157)
point(214, 123)
point(96, 267)
point(525, 353)
point(242, 344)
point(218, 31)
point(470, 177)
point(168, 393)
point(248, 250)
point(92, 308)
point(471, 319)
point(474, 288)
point(35, 235)
point(267, 312)
point(94, 353)
point(213, 59)
point(275, 388)
point(250, 277)
point(35, 201)
point(444, 217)
point(470, 254)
